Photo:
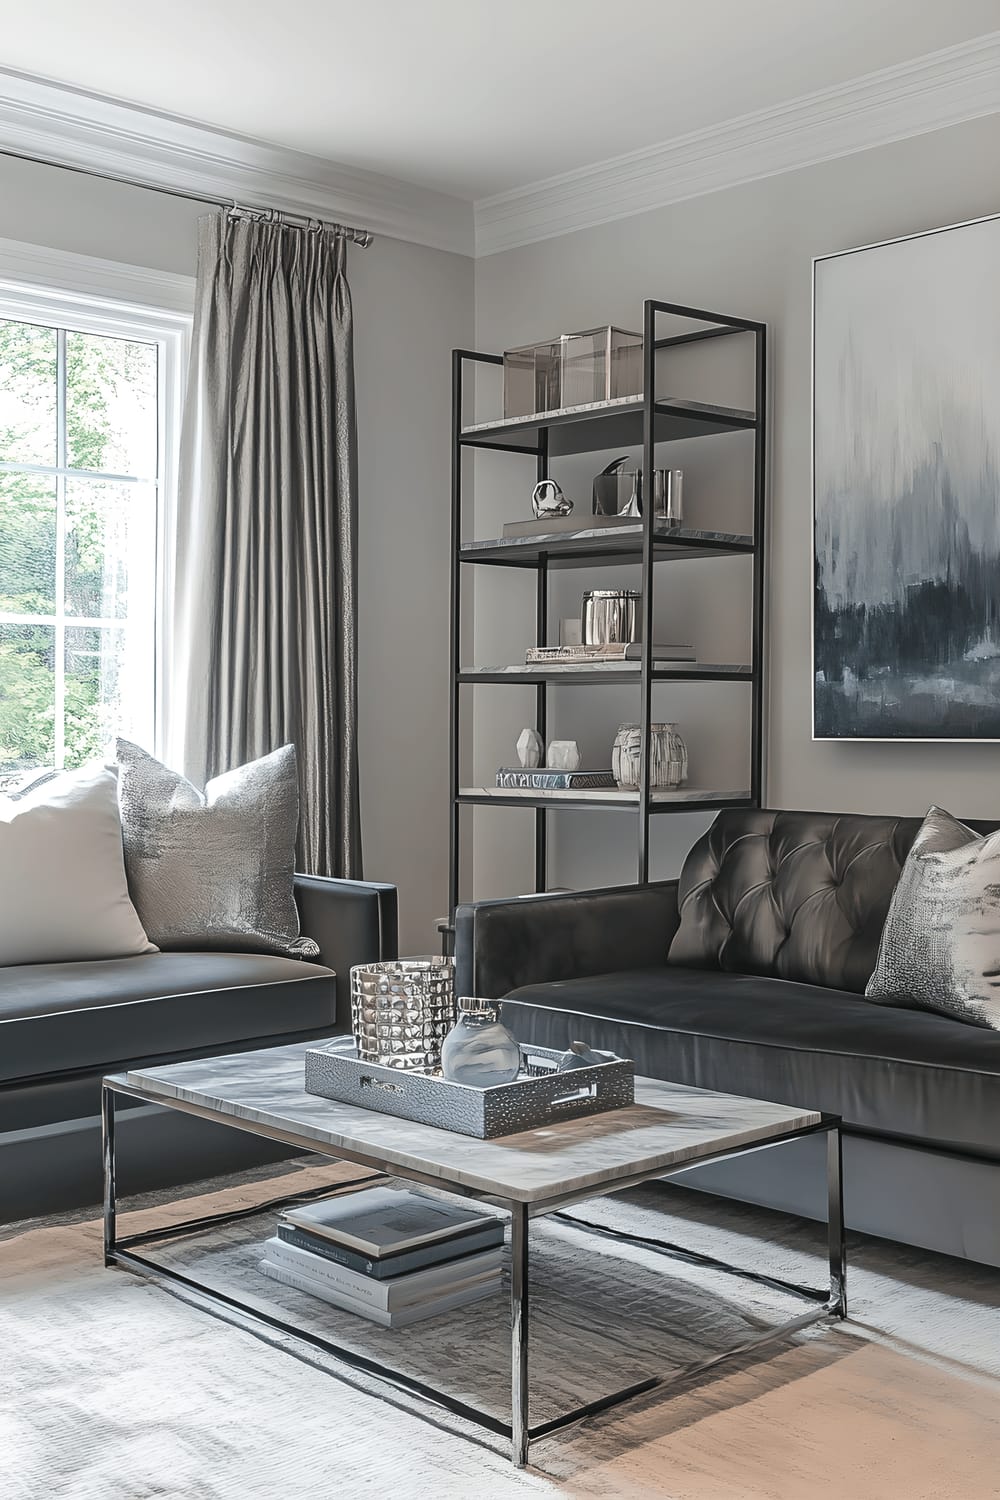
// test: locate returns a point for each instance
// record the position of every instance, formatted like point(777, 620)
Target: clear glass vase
point(479, 1050)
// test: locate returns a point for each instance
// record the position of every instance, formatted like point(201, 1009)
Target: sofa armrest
point(353, 921)
point(502, 945)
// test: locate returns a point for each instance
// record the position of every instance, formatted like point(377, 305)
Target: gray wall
point(747, 250)
point(412, 305)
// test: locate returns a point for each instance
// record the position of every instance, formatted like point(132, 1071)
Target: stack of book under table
point(390, 1255)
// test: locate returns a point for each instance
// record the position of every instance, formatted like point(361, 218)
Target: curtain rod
point(362, 237)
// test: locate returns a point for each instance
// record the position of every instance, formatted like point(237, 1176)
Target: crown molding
point(75, 128)
point(929, 93)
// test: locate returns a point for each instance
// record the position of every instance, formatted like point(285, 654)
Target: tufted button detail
point(799, 895)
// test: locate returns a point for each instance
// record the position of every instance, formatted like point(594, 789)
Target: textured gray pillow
point(940, 947)
point(213, 869)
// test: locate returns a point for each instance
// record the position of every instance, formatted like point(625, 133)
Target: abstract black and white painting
point(906, 488)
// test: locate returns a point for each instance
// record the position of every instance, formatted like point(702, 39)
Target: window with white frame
point(88, 415)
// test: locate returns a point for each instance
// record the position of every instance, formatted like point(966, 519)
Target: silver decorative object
point(530, 749)
point(607, 500)
point(625, 499)
point(668, 760)
point(547, 499)
point(564, 755)
point(668, 496)
point(579, 1055)
point(611, 617)
point(402, 1010)
point(668, 485)
point(633, 505)
point(543, 1097)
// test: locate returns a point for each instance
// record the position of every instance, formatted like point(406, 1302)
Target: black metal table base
point(828, 1302)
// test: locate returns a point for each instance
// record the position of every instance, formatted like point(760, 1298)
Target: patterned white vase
point(668, 758)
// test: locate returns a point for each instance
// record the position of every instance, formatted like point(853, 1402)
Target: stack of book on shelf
point(545, 779)
point(552, 525)
point(390, 1255)
point(616, 652)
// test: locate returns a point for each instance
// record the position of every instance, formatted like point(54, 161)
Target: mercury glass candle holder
point(401, 1011)
point(668, 758)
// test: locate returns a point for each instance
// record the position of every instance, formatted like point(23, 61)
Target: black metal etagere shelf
point(641, 421)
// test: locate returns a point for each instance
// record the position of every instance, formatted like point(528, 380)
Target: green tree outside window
point(110, 428)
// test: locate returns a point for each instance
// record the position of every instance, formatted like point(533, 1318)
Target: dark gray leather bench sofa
point(773, 932)
point(64, 1025)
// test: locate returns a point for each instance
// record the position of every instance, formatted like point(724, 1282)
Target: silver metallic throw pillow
point(214, 869)
point(940, 947)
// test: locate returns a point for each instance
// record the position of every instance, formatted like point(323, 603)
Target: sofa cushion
point(940, 946)
point(797, 895)
point(214, 869)
point(76, 1016)
point(893, 1071)
point(63, 894)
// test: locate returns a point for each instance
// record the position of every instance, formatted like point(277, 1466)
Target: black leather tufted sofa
point(748, 975)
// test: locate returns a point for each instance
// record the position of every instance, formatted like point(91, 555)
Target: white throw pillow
point(63, 893)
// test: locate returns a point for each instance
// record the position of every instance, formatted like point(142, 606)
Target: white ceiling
point(474, 97)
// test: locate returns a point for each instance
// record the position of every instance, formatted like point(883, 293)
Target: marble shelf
point(607, 424)
point(592, 546)
point(609, 671)
point(690, 798)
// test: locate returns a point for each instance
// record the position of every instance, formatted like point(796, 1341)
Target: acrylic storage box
point(531, 379)
point(577, 369)
point(601, 364)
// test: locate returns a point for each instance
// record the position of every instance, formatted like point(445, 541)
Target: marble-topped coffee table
point(670, 1127)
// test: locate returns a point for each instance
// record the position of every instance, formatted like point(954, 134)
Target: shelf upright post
point(455, 628)
point(541, 691)
point(646, 675)
point(757, 788)
point(458, 359)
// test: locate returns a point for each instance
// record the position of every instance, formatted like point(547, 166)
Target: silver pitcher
point(611, 617)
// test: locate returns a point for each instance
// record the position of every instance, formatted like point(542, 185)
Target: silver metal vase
point(611, 616)
point(402, 1010)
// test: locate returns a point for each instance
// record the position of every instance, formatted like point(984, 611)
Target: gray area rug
point(111, 1386)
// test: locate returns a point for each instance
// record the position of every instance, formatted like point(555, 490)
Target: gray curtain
point(266, 547)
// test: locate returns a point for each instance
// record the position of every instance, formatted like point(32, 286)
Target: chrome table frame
point(829, 1302)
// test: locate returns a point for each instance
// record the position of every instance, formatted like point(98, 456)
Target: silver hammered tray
point(542, 1098)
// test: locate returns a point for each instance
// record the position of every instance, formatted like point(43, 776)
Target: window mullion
point(60, 611)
